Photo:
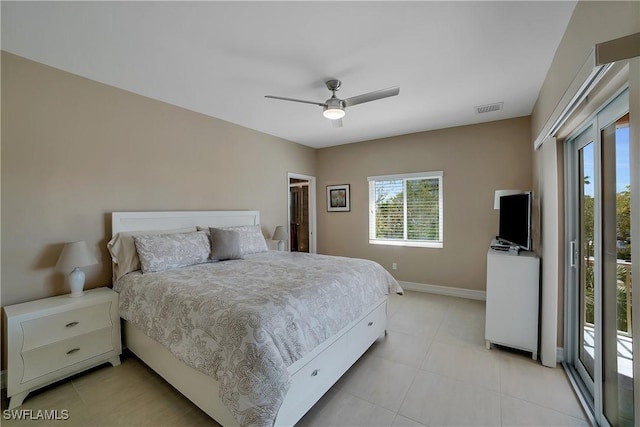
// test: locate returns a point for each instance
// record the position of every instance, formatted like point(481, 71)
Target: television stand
point(512, 300)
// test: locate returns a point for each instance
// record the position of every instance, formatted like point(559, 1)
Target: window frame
point(438, 244)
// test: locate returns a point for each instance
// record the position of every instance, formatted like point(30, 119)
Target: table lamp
point(281, 235)
point(75, 255)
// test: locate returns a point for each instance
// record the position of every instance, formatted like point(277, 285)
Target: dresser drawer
point(367, 331)
point(72, 323)
point(44, 360)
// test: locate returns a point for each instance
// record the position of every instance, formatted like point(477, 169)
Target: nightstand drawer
point(58, 327)
point(44, 360)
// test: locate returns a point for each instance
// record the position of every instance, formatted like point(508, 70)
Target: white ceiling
point(221, 58)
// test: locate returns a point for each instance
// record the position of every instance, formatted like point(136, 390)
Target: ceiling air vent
point(480, 109)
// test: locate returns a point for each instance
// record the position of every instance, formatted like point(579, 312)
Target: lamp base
point(76, 282)
point(281, 245)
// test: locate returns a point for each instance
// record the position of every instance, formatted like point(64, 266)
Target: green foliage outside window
point(623, 237)
point(422, 206)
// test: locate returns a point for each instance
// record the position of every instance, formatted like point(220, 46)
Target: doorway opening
point(302, 213)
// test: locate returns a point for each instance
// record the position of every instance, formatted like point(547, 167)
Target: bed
point(255, 340)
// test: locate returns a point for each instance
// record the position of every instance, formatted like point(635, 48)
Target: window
point(406, 210)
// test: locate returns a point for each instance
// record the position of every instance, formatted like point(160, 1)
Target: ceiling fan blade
point(371, 96)
point(337, 123)
point(295, 100)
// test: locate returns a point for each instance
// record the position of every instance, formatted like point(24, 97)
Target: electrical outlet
point(394, 266)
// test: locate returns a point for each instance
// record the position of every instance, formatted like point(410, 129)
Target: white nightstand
point(53, 338)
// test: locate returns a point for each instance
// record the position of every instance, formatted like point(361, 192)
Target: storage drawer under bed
point(314, 379)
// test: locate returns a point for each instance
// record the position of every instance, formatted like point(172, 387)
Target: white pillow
point(123, 249)
point(160, 252)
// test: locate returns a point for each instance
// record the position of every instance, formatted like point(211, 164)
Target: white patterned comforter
point(243, 322)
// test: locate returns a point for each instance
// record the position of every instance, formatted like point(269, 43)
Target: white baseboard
point(444, 290)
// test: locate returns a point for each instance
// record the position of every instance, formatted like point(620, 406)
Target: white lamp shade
point(500, 193)
point(280, 233)
point(75, 255)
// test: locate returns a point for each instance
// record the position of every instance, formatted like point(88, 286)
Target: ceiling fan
point(333, 108)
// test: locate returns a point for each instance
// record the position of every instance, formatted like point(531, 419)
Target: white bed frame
point(312, 376)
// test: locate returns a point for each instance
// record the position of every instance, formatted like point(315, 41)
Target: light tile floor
point(431, 370)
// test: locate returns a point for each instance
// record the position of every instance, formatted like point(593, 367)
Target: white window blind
point(406, 210)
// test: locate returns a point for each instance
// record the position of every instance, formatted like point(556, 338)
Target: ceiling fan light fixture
point(334, 107)
point(333, 113)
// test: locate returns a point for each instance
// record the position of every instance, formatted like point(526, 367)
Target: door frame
point(312, 208)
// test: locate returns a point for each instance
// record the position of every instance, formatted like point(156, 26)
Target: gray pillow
point(166, 251)
point(251, 238)
point(225, 244)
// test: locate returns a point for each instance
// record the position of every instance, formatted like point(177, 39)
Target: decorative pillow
point(251, 238)
point(166, 251)
point(123, 249)
point(225, 244)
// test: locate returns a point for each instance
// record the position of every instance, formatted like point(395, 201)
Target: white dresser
point(512, 300)
point(53, 338)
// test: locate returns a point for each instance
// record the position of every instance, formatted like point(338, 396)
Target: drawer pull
point(315, 372)
point(370, 324)
point(71, 325)
point(73, 350)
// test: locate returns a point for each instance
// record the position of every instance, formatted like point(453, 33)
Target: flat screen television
point(515, 220)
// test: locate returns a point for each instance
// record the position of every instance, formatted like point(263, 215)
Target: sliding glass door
point(599, 288)
point(617, 334)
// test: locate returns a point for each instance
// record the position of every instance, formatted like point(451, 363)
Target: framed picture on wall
point(338, 198)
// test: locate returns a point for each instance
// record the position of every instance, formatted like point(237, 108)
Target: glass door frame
point(616, 107)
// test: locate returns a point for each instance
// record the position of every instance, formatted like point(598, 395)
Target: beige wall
point(74, 150)
point(476, 160)
point(592, 22)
